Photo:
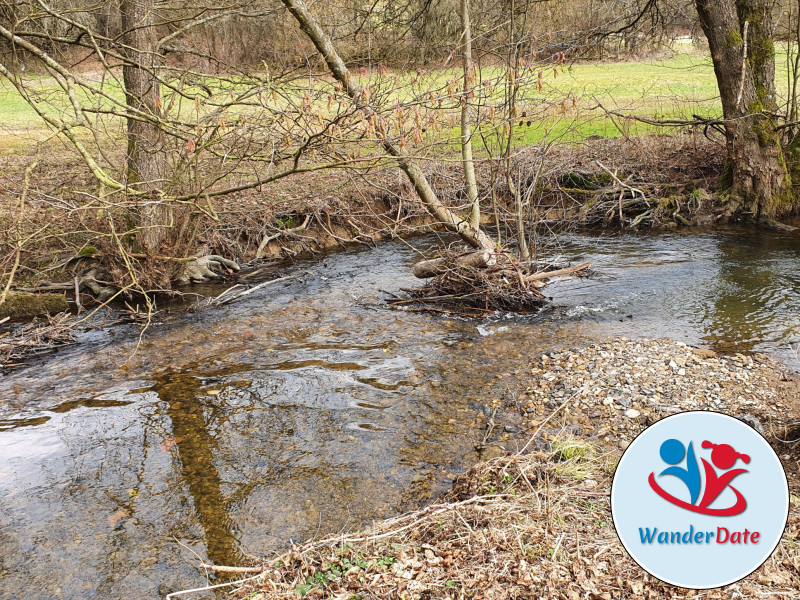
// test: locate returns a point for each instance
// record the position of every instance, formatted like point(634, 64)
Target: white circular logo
point(699, 500)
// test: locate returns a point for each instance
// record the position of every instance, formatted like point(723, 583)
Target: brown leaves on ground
point(524, 526)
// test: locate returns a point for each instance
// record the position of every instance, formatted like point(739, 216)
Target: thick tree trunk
point(146, 160)
point(739, 34)
point(474, 236)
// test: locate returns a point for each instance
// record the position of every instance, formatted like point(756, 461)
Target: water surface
point(310, 407)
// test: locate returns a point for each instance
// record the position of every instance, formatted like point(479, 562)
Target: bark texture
point(145, 166)
point(739, 34)
point(436, 266)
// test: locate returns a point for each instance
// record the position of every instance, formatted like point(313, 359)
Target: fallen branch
point(36, 338)
point(623, 186)
point(436, 266)
point(208, 588)
point(548, 274)
point(224, 569)
point(224, 298)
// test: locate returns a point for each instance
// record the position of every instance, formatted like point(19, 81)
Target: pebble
point(615, 383)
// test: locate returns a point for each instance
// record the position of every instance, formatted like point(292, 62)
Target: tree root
point(204, 268)
point(772, 224)
point(282, 232)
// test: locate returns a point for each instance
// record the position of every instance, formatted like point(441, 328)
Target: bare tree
point(470, 182)
point(145, 162)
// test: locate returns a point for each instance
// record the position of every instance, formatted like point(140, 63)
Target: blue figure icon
point(672, 452)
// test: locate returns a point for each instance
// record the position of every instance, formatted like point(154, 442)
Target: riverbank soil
point(536, 523)
point(661, 181)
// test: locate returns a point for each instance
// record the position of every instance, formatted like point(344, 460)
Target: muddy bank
point(537, 521)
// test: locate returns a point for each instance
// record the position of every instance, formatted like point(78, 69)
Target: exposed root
point(207, 267)
point(774, 225)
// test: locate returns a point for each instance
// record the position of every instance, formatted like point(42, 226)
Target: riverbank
point(662, 182)
point(536, 522)
point(659, 181)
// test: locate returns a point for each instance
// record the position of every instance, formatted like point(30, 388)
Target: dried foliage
point(35, 338)
point(533, 525)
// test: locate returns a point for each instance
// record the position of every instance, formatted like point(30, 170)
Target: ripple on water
point(311, 407)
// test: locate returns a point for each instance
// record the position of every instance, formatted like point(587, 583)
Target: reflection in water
point(310, 408)
point(735, 291)
point(755, 295)
point(191, 420)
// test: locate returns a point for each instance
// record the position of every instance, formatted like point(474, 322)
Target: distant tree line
point(398, 33)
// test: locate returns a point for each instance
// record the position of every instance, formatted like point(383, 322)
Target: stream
point(310, 407)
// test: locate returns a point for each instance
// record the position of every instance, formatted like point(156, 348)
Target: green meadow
point(570, 106)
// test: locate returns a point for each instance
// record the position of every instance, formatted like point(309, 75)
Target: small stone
point(632, 413)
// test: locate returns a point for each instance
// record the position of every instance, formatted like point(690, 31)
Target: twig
point(548, 274)
point(622, 184)
point(217, 302)
point(224, 569)
point(281, 233)
point(207, 588)
point(77, 293)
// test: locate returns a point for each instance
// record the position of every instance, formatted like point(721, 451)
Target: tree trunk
point(470, 181)
point(474, 236)
point(739, 34)
point(145, 166)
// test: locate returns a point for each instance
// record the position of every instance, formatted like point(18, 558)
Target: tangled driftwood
point(476, 283)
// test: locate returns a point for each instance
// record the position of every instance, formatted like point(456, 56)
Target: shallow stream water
point(310, 407)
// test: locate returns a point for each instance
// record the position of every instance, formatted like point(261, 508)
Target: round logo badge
point(699, 500)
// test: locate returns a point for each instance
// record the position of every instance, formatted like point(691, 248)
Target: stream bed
point(310, 407)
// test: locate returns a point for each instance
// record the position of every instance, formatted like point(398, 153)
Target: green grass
point(676, 86)
point(15, 113)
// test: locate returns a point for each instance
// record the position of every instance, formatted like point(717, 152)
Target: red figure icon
point(724, 457)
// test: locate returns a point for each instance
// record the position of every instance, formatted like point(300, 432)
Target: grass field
point(679, 85)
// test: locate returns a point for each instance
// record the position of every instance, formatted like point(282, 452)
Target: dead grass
point(529, 525)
